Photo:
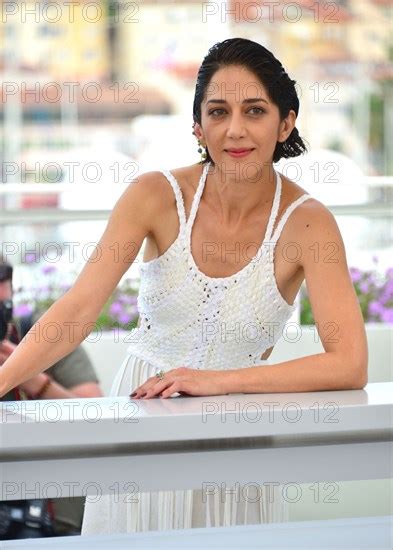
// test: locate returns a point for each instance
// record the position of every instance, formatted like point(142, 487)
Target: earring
point(200, 150)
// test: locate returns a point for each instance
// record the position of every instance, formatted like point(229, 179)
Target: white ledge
point(36, 425)
point(66, 448)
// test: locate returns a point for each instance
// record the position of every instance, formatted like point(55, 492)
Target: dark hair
point(268, 69)
point(5, 269)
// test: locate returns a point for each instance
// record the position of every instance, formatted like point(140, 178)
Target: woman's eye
point(252, 109)
point(258, 109)
point(214, 111)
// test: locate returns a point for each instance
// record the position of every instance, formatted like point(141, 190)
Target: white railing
point(21, 188)
point(30, 215)
point(81, 447)
point(225, 437)
point(366, 532)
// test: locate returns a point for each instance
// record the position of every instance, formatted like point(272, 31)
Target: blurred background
point(96, 92)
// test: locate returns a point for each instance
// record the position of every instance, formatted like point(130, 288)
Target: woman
point(211, 310)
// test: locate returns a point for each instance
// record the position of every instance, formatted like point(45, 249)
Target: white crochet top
point(190, 319)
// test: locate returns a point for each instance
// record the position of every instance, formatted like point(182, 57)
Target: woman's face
point(237, 113)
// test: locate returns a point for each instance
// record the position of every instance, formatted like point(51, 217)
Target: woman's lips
point(238, 154)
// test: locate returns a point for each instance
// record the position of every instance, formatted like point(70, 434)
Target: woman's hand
point(186, 381)
point(6, 349)
point(31, 386)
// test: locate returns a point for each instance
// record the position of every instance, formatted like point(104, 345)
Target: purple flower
point(115, 308)
point(48, 269)
point(30, 258)
point(364, 287)
point(375, 308)
point(22, 309)
point(387, 315)
point(387, 291)
point(124, 318)
point(375, 259)
point(356, 274)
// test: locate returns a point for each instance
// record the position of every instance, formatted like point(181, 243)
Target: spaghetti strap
point(197, 198)
point(274, 211)
point(286, 215)
point(186, 224)
point(179, 198)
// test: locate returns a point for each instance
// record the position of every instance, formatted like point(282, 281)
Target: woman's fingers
point(145, 386)
point(172, 382)
point(152, 388)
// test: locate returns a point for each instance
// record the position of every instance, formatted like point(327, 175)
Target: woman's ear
point(197, 130)
point(286, 126)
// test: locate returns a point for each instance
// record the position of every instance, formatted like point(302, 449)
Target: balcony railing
point(378, 205)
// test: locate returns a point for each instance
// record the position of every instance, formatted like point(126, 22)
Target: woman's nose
point(236, 127)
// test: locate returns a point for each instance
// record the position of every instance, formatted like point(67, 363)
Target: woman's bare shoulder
point(155, 187)
point(184, 175)
point(157, 191)
point(187, 176)
point(290, 188)
point(291, 191)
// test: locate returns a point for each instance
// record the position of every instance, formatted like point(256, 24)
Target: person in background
point(71, 377)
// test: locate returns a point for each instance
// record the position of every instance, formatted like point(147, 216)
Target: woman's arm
point(337, 315)
point(72, 317)
point(37, 385)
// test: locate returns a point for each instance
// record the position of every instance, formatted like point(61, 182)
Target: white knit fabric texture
point(191, 319)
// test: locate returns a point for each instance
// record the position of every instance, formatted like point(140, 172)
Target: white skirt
point(177, 509)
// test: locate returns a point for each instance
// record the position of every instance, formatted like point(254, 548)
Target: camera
point(25, 519)
point(6, 308)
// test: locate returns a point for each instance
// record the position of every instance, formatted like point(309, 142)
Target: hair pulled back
point(257, 59)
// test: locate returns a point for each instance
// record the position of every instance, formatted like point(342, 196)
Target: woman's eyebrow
point(247, 100)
